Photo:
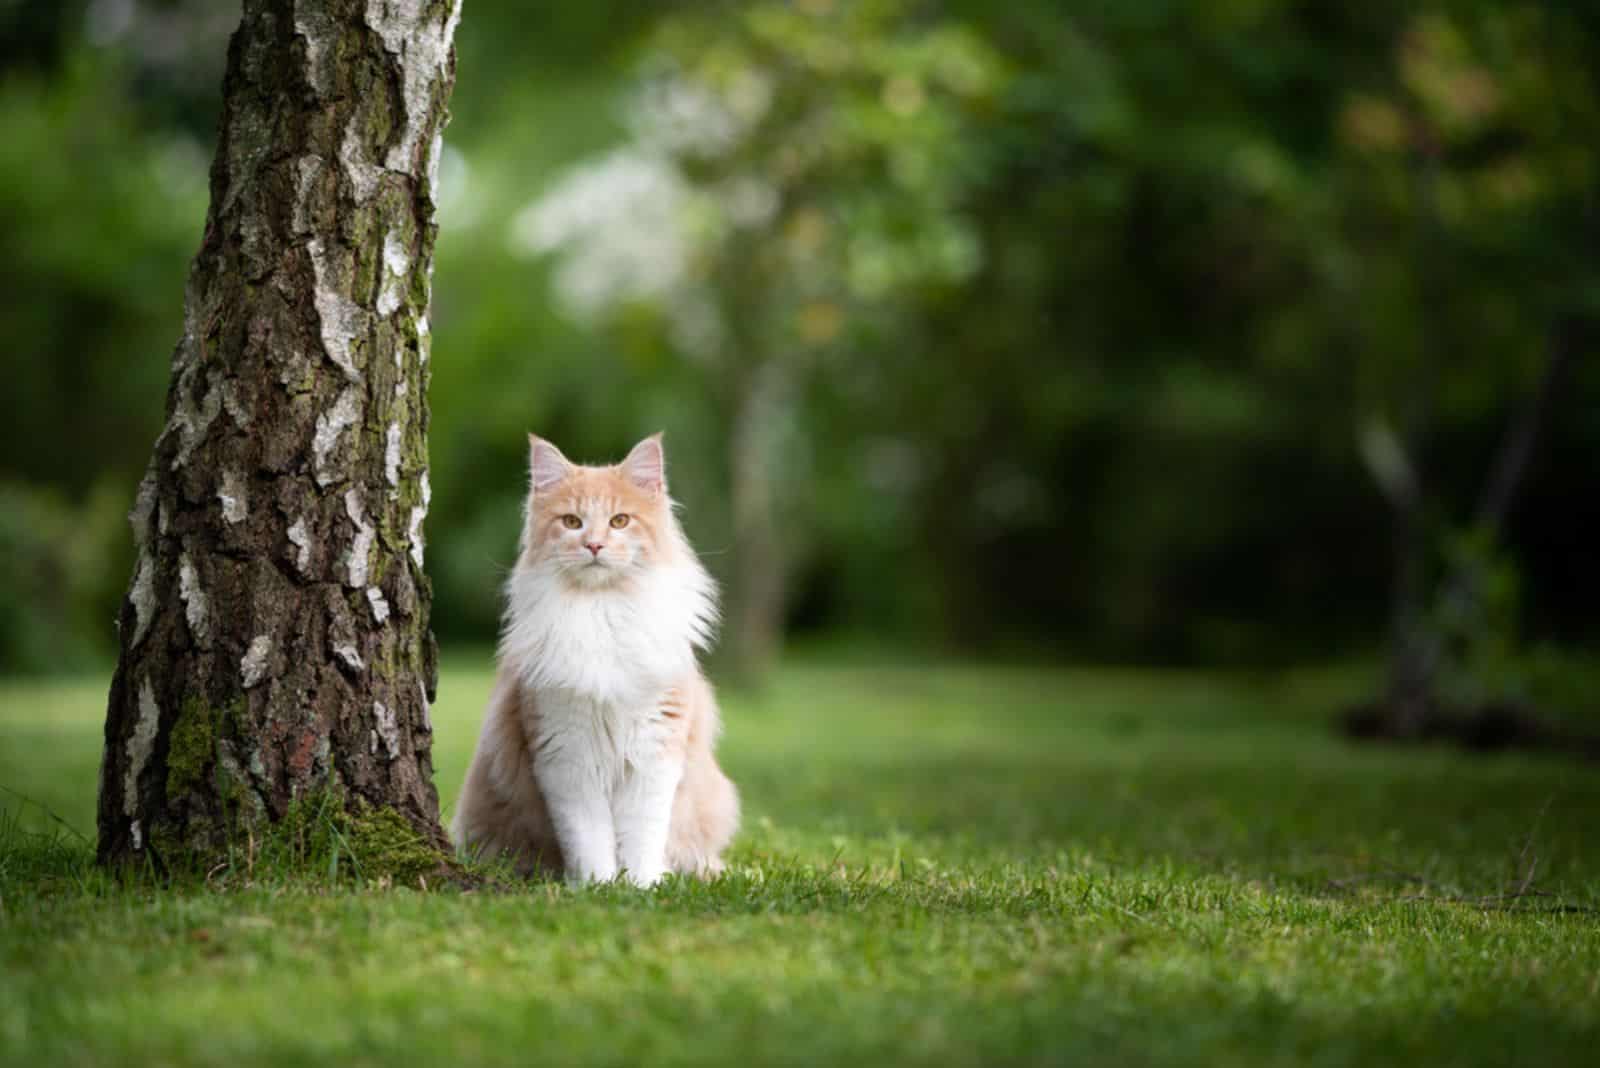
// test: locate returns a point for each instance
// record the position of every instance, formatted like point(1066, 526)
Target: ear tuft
point(545, 463)
point(646, 465)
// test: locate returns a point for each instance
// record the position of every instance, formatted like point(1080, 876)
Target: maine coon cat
point(595, 757)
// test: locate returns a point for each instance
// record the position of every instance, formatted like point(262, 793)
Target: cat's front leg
point(575, 795)
point(642, 806)
point(643, 816)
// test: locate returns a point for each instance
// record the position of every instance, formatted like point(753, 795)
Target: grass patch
point(940, 865)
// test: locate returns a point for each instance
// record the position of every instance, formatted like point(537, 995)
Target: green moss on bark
point(323, 833)
point(193, 748)
point(192, 753)
point(385, 844)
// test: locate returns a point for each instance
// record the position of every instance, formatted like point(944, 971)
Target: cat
point(595, 759)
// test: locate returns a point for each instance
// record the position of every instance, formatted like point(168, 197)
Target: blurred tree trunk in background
point(756, 600)
point(1411, 706)
point(275, 639)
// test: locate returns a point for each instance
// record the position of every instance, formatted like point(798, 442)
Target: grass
point(940, 865)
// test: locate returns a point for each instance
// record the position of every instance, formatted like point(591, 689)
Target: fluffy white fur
point(595, 755)
point(617, 645)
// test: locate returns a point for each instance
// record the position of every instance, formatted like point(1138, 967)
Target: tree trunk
point(1410, 683)
point(1408, 708)
point(275, 641)
point(754, 635)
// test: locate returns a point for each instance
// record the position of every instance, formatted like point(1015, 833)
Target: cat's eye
point(571, 522)
point(619, 521)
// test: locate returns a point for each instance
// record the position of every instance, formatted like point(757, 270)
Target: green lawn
point(940, 865)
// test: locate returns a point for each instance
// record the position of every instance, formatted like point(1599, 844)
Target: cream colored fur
point(595, 758)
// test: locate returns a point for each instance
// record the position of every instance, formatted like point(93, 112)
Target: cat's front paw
point(645, 878)
point(597, 870)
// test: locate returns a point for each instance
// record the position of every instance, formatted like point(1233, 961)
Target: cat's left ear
point(546, 465)
point(646, 465)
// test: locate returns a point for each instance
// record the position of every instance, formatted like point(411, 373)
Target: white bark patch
point(296, 374)
point(331, 424)
point(361, 546)
point(143, 593)
point(254, 664)
point(307, 168)
point(140, 744)
point(418, 514)
point(234, 405)
point(143, 596)
point(396, 265)
point(234, 497)
point(196, 606)
point(388, 730)
point(391, 455)
point(352, 659)
point(364, 176)
point(389, 296)
point(380, 606)
point(343, 320)
point(427, 717)
point(311, 27)
point(191, 419)
point(435, 151)
point(424, 49)
point(301, 540)
point(144, 506)
point(137, 834)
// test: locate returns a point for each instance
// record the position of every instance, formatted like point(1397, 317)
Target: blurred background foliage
point(1112, 330)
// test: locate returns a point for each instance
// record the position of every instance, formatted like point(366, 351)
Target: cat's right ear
point(546, 465)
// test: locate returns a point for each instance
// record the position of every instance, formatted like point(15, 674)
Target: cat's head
point(598, 526)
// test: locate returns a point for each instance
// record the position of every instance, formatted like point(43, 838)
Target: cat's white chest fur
point(609, 772)
point(599, 665)
point(618, 647)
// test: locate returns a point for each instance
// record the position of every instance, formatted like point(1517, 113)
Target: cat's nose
point(593, 547)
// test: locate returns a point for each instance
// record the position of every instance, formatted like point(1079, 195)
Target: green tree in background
point(793, 175)
point(1469, 148)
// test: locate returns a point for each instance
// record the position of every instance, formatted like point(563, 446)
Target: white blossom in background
point(749, 202)
point(677, 117)
point(695, 324)
point(631, 226)
point(620, 227)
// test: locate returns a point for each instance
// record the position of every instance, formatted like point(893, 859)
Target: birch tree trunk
point(275, 640)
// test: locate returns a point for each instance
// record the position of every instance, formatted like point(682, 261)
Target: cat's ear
point(545, 463)
point(646, 465)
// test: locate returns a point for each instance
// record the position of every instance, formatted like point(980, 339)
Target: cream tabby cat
point(595, 756)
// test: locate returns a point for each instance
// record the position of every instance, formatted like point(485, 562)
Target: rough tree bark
point(275, 640)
